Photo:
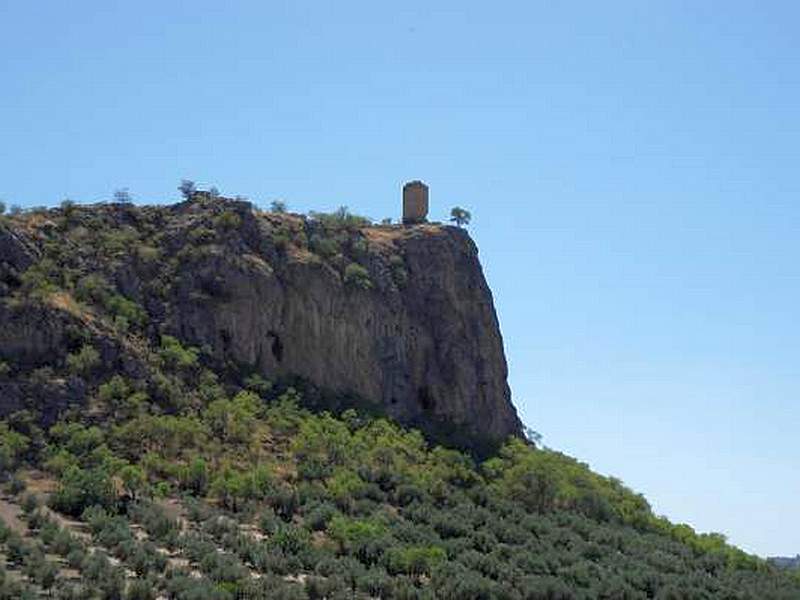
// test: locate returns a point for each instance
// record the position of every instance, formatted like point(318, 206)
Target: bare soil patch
point(10, 513)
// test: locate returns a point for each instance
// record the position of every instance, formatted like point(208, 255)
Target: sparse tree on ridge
point(187, 188)
point(68, 207)
point(460, 216)
point(122, 196)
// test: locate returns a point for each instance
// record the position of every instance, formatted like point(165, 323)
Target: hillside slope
point(148, 452)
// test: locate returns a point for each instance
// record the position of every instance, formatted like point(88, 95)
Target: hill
point(164, 437)
point(401, 317)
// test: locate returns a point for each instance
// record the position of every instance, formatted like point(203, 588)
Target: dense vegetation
point(192, 481)
point(323, 506)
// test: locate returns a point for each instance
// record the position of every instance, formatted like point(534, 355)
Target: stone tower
point(415, 202)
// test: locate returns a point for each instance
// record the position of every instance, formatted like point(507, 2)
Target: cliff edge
point(400, 316)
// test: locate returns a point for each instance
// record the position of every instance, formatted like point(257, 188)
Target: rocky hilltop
point(177, 381)
point(398, 316)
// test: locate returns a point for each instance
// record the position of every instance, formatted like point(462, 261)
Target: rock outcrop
point(16, 255)
point(400, 316)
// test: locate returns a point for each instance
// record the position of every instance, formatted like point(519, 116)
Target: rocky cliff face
point(400, 316)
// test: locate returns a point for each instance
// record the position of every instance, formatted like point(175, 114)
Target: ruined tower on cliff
point(415, 202)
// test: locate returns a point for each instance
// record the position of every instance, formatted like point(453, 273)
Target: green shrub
point(331, 586)
point(326, 247)
point(291, 539)
point(175, 355)
point(399, 272)
point(76, 557)
point(357, 276)
point(284, 501)
point(414, 560)
point(159, 526)
point(317, 516)
point(141, 589)
point(341, 218)
point(227, 221)
point(365, 539)
point(202, 235)
point(257, 384)
point(164, 437)
point(78, 440)
point(119, 242)
point(234, 421)
point(84, 361)
point(543, 480)
point(314, 468)
point(121, 398)
point(133, 480)
point(269, 522)
point(81, 488)
point(195, 477)
point(162, 489)
point(284, 415)
point(360, 246)
point(230, 487)
point(92, 288)
point(64, 543)
point(147, 253)
point(41, 279)
point(13, 446)
point(126, 310)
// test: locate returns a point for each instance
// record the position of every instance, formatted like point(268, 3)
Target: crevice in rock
point(277, 346)
point(425, 399)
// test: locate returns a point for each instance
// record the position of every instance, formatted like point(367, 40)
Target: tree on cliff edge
point(460, 216)
point(187, 188)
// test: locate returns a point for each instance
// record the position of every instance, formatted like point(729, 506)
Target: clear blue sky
point(632, 169)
